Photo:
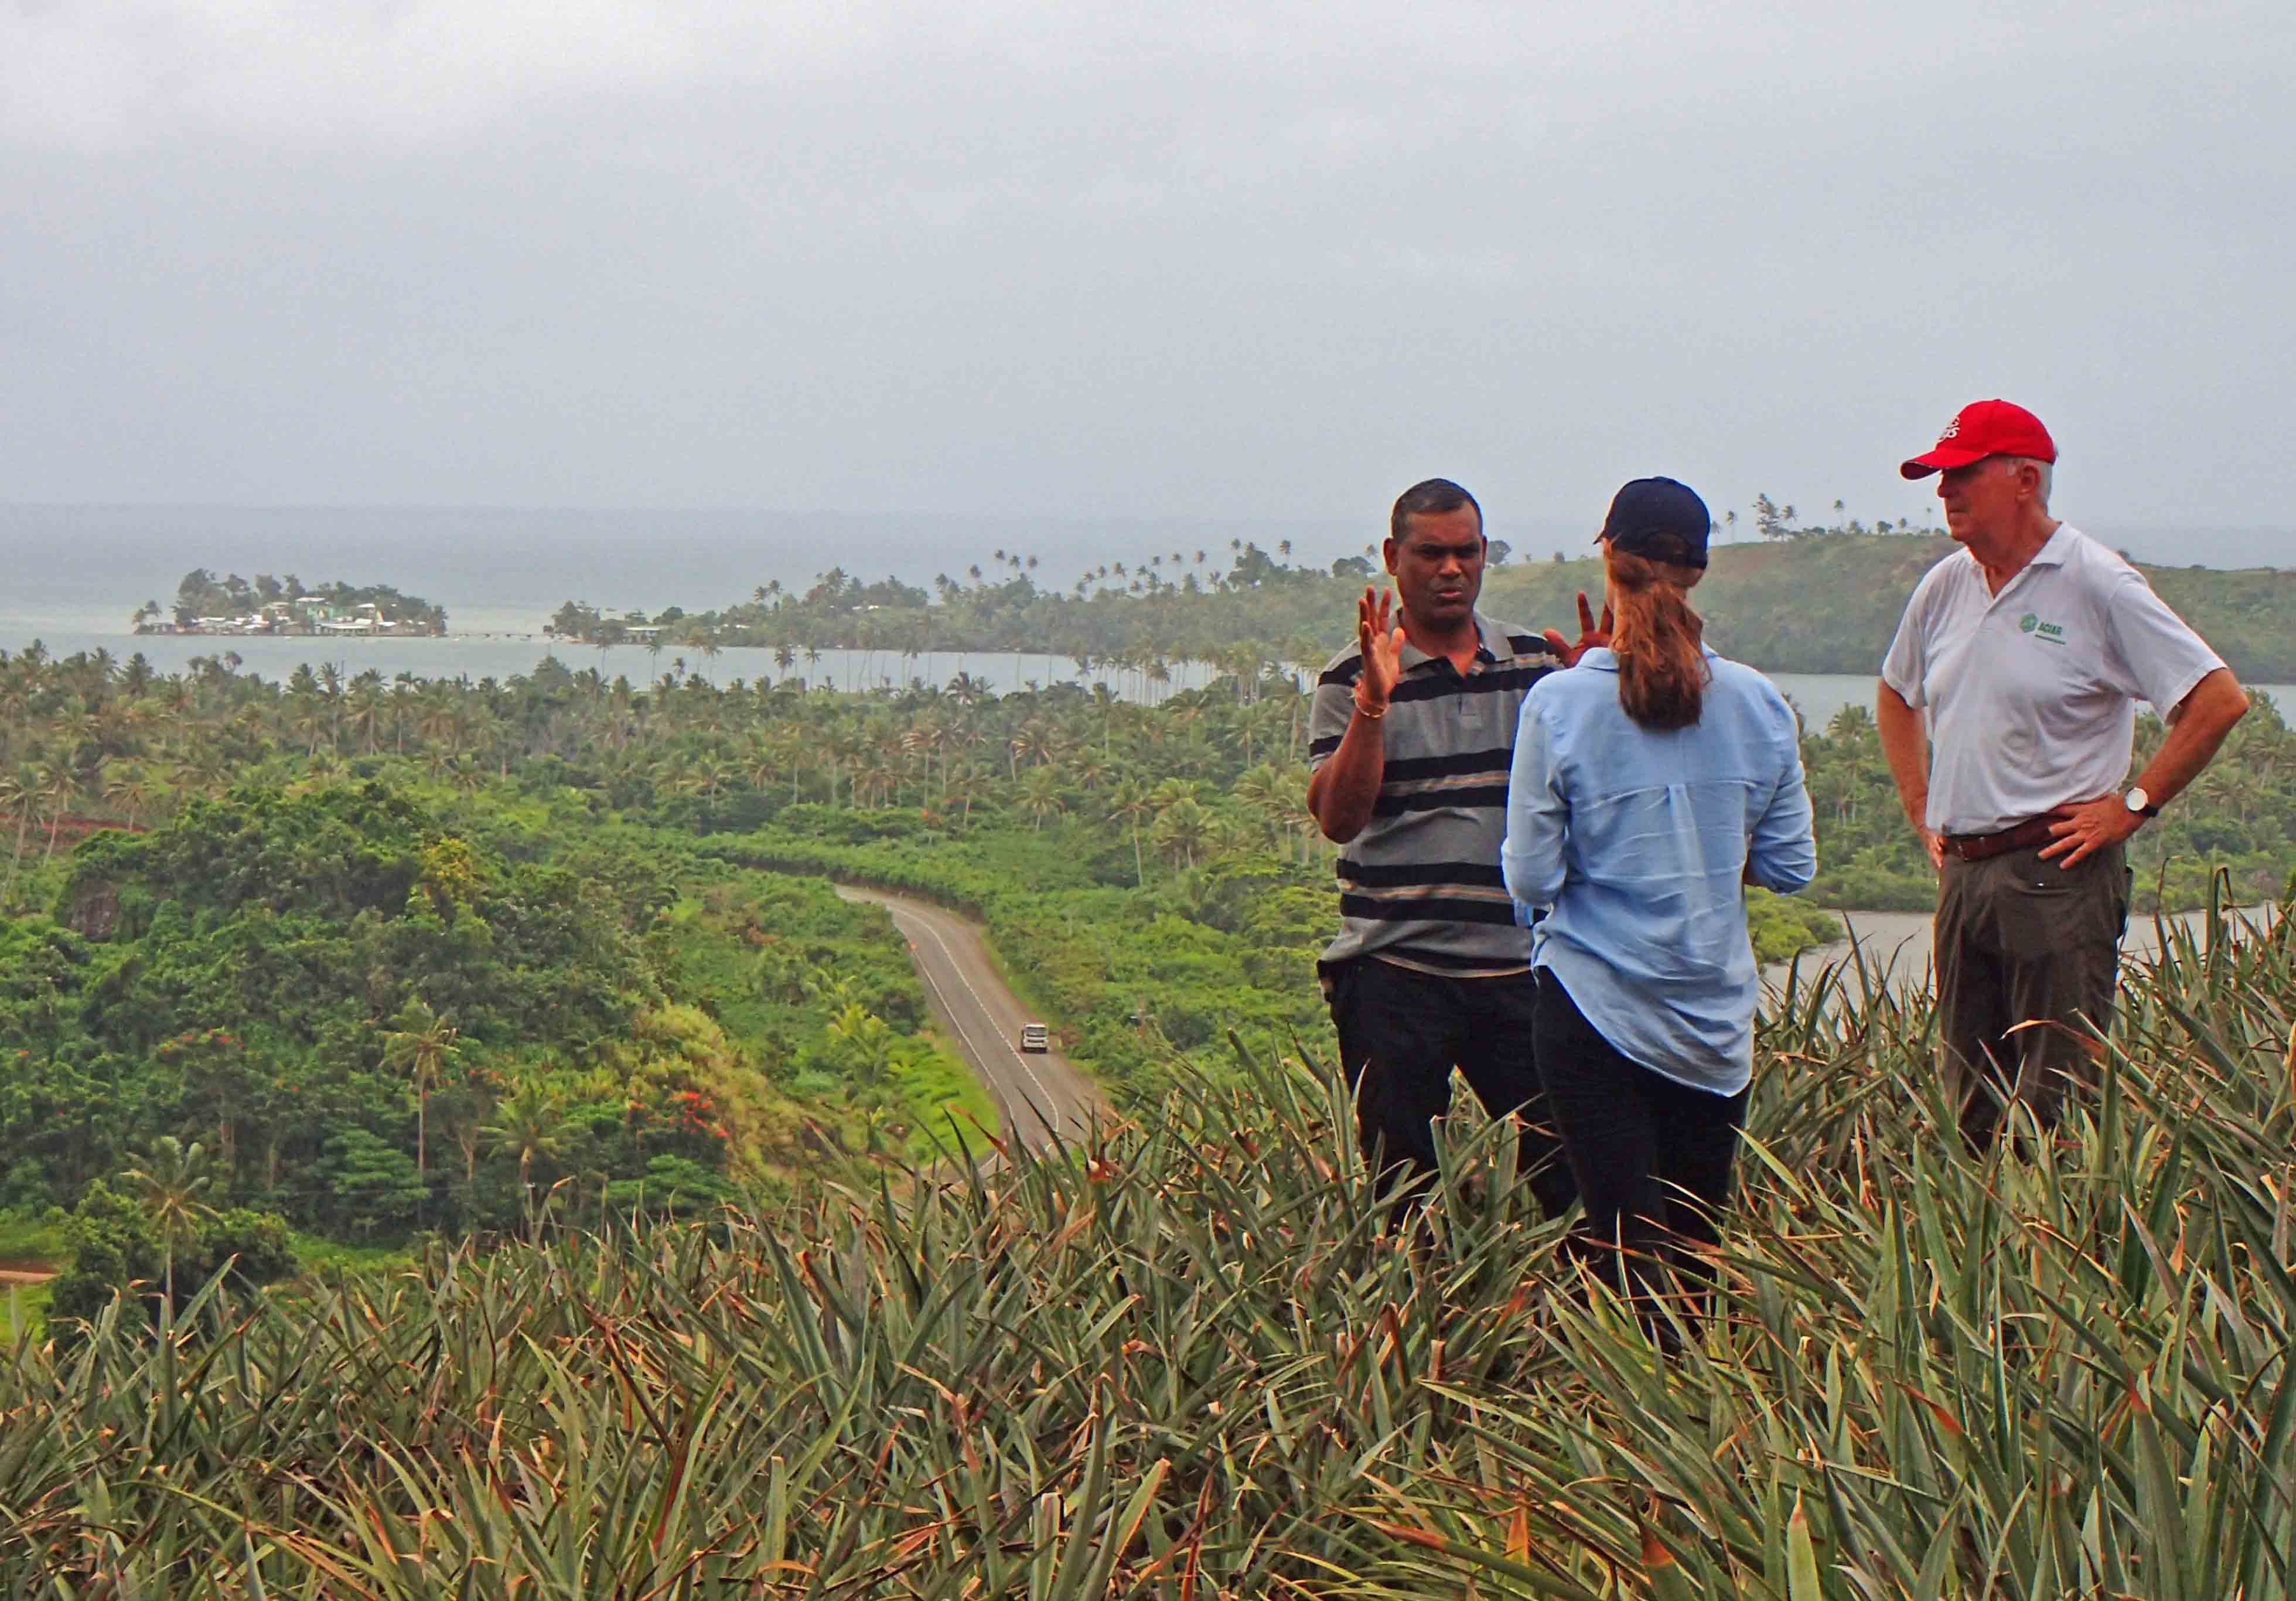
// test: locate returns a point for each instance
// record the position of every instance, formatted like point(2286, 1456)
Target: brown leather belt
point(2023, 836)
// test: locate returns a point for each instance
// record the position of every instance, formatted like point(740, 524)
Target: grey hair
point(2048, 471)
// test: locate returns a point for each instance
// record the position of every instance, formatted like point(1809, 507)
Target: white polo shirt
point(2031, 694)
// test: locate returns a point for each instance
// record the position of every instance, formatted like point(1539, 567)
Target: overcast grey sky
point(1265, 261)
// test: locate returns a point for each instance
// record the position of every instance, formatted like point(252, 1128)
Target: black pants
point(1652, 1157)
point(1401, 1032)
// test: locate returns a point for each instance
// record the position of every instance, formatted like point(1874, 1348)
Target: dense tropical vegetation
point(380, 1009)
point(204, 594)
point(289, 971)
point(2237, 820)
point(1149, 873)
point(1809, 600)
point(1189, 1363)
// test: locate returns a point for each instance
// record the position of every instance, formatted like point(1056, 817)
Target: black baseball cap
point(1658, 520)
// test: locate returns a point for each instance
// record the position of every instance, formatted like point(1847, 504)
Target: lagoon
point(512, 652)
point(503, 644)
point(1895, 947)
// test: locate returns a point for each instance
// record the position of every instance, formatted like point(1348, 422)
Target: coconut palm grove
point(454, 1139)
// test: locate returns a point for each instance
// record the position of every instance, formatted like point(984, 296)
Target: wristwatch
point(2141, 803)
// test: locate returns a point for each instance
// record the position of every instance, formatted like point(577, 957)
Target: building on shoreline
point(306, 614)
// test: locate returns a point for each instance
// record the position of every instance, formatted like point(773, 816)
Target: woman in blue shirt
point(1650, 784)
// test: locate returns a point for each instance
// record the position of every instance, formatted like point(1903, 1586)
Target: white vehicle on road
point(1035, 1037)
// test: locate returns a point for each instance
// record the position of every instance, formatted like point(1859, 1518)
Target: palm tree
point(19, 794)
point(761, 762)
point(1183, 829)
point(529, 1122)
point(960, 786)
point(57, 785)
point(870, 1045)
point(420, 1047)
point(367, 707)
point(1129, 801)
point(170, 1184)
point(129, 784)
point(1041, 796)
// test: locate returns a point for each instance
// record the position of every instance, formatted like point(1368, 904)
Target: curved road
point(1036, 1094)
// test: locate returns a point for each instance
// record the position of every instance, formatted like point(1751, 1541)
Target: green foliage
point(202, 594)
point(672, 1186)
point(1804, 599)
point(23, 1311)
point(30, 1236)
point(1189, 1361)
point(1830, 603)
point(1781, 927)
point(338, 988)
point(560, 871)
point(2238, 819)
point(1137, 979)
point(370, 1183)
point(114, 1243)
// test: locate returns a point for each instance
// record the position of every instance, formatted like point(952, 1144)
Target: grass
point(321, 1257)
point(23, 1310)
point(1185, 1362)
point(31, 1243)
point(943, 1092)
point(27, 1240)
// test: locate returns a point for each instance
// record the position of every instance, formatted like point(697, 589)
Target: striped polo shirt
point(1420, 886)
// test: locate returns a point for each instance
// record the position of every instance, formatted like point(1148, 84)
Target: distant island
point(208, 605)
point(1800, 600)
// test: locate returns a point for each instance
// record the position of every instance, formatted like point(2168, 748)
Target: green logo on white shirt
point(2048, 633)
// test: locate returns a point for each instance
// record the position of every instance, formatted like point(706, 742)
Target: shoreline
point(1897, 944)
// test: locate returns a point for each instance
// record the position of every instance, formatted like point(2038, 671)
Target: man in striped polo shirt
point(1410, 745)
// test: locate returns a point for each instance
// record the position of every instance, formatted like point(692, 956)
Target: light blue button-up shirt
point(1634, 843)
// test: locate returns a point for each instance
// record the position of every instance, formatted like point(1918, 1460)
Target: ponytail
point(1657, 639)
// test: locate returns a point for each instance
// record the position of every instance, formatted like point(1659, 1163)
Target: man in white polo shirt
point(2028, 650)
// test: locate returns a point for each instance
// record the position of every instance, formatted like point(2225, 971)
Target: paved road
point(1036, 1093)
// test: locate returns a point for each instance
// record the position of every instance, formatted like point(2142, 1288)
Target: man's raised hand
point(1590, 638)
point(1381, 640)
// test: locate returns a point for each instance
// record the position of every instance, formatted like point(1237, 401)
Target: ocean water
point(506, 569)
point(70, 576)
point(505, 655)
point(1897, 948)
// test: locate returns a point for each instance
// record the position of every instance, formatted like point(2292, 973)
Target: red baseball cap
point(1981, 429)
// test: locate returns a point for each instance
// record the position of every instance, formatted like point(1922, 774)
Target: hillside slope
point(1828, 604)
point(1816, 603)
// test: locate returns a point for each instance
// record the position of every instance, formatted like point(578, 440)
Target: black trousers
point(1402, 1031)
point(1652, 1157)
